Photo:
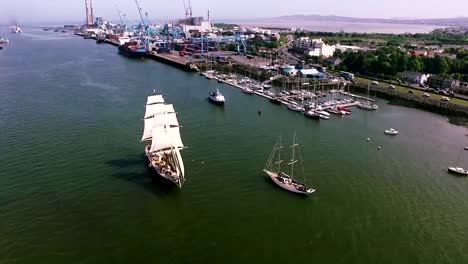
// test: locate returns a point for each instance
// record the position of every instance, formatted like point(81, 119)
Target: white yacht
point(295, 107)
point(247, 90)
point(216, 97)
point(458, 171)
point(391, 132)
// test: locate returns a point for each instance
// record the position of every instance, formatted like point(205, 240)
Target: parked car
point(445, 99)
point(411, 92)
point(375, 83)
point(392, 87)
point(426, 95)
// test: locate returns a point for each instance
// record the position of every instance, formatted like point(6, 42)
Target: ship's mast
point(279, 155)
point(293, 161)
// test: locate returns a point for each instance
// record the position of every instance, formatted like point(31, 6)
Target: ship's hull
point(314, 116)
point(275, 101)
point(289, 187)
point(134, 54)
point(160, 170)
point(215, 101)
point(457, 172)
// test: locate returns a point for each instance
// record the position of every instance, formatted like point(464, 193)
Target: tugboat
point(216, 97)
point(279, 177)
point(133, 50)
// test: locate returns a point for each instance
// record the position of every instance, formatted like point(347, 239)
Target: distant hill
point(460, 21)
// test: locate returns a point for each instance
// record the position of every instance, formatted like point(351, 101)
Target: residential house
point(441, 82)
point(415, 77)
point(419, 52)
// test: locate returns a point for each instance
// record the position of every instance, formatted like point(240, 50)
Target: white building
point(314, 47)
point(344, 48)
point(195, 24)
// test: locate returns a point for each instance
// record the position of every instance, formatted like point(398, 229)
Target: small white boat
point(295, 107)
point(312, 115)
point(391, 132)
point(367, 106)
point(458, 171)
point(324, 117)
point(247, 90)
point(216, 97)
point(325, 113)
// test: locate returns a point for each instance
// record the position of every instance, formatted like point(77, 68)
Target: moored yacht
point(312, 114)
point(247, 90)
point(295, 107)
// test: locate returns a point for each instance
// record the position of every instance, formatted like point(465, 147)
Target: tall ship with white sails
point(162, 131)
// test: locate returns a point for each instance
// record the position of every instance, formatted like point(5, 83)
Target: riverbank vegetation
point(434, 38)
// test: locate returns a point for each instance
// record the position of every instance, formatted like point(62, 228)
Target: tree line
point(387, 62)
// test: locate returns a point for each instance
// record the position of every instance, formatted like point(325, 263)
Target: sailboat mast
point(292, 158)
point(279, 155)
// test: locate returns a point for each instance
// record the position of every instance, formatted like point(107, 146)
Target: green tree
point(415, 64)
point(441, 65)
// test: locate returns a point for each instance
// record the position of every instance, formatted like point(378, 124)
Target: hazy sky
point(26, 11)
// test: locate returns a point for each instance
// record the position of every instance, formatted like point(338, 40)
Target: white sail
point(147, 133)
point(155, 99)
point(165, 137)
point(158, 109)
point(166, 120)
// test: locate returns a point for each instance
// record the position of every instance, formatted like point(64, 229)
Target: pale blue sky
point(26, 11)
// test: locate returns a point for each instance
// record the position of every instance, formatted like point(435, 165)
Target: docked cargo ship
point(132, 49)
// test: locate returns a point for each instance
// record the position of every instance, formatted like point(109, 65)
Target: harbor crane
point(187, 9)
point(120, 16)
